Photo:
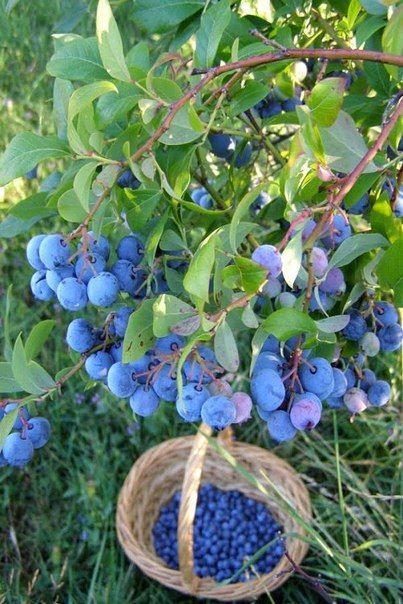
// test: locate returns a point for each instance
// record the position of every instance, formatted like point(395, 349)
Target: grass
point(57, 537)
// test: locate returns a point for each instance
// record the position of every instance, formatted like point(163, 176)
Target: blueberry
point(17, 450)
point(218, 387)
point(291, 104)
point(121, 381)
point(286, 300)
point(269, 257)
point(319, 261)
point(72, 294)
point(33, 252)
point(243, 407)
point(202, 198)
point(272, 288)
point(88, 265)
point(340, 383)
point(80, 335)
point(218, 412)
point(267, 389)
point(271, 344)
point(317, 377)
point(385, 313)
point(32, 174)
point(222, 145)
point(338, 233)
point(38, 431)
point(326, 302)
point(103, 289)
point(360, 206)
point(260, 202)
point(398, 207)
point(40, 288)
point(268, 360)
point(355, 400)
point(370, 344)
point(243, 153)
point(350, 377)
point(98, 364)
point(169, 344)
point(356, 327)
point(127, 180)
point(121, 320)
point(116, 352)
point(368, 379)
point(144, 401)
point(54, 251)
point(131, 248)
point(164, 383)
point(140, 367)
point(279, 426)
point(130, 277)
point(390, 337)
point(97, 245)
point(55, 276)
point(306, 411)
point(193, 397)
point(334, 283)
point(379, 393)
point(18, 425)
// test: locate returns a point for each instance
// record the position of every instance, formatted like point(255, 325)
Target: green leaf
point(367, 28)
point(139, 337)
point(247, 97)
point(62, 91)
point(392, 40)
point(154, 238)
point(326, 99)
point(82, 183)
point(8, 349)
point(355, 246)
point(333, 324)
point(252, 275)
point(70, 208)
point(25, 151)
point(78, 60)
point(31, 207)
point(225, 348)
point(390, 270)
point(6, 425)
point(141, 208)
point(288, 322)
point(156, 16)
point(344, 145)
point(292, 258)
point(37, 337)
point(139, 57)
point(110, 43)
point(249, 318)
point(169, 312)
point(240, 211)
point(212, 26)
point(362, 186)
point(21, 371)
point(113, 106)
point(185, 127)
point(7, 381)
point(197, 278)
point(171, 241)
point(383, 220)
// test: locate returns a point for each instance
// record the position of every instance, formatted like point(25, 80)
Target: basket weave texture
point(182, 463)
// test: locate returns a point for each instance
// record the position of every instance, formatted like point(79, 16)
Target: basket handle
point(187, 509)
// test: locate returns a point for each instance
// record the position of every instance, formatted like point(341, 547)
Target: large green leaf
point(355, 246)
point(288, 322)
point(162, 15)
point(62, 91)
point(25, 151)
point(37, 337)
point(78, 60)
point(110, 43)
point(326, 99)
point(197, 278)
point(212, 26)
point(185, 127)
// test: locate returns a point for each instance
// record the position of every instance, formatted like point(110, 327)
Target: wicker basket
point(182, 463)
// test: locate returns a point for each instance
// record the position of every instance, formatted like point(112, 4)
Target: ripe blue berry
point(222, 145)
point(169, 344)
point(164, 383)
point(97, 245)
point(18, 424)
point(243, 153)
point(39, 286)
point(121, 320)
point(338, 233)
point(390, 337)
point(267, 389)
point(103, 289)
point(38, 431)
point(88, 265)
point(280, 426)
point(340, 383)
point(17, 450)
point(130, 248)
point(80, 336)
point(268, 360)
point(379, 393)
point(130, 278)
point(121, 381)
point(368, 379)
point(271, 344)
point(218, 412)
point(370, 344)
point(72, 294)
point(319, 261)
point(269, 257)
point(385, 313)
point(56, 275)
point(98, 364)
point(127, 180)
point(54, 251)
point(317, 377)
point(334, 283)
point(272, 288)
point(144, 401)
point(356, 327)
point(33, 252)
point(193, 397)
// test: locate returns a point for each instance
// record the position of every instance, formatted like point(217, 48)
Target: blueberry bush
point(226, 185)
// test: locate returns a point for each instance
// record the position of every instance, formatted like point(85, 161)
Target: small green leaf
point(156, 16)
point(141, 208)
point(326, 99)
point(355, 246)
point(333, 324)
point(70, 208)
point(288, 322)
point(252, 275)
point(25, 151)
point(212, 26)
point(78, 60)
point(62, 91)
point(225, 348)
point(37, 337)
point(139, 337)
point(240, 211)
point(110, 43)
point(7, 381)
point(82, 183)
point(154, 238)
point(247, 97)
point(169, 311)
point(185, 127)
point(29, 375)
point(197, 278)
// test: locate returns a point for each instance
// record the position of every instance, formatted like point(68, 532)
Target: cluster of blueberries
point(29, 433)
point(153, 377)
point(78, 277)
point(229, 529)
point(272, 105)
point(232, 149)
